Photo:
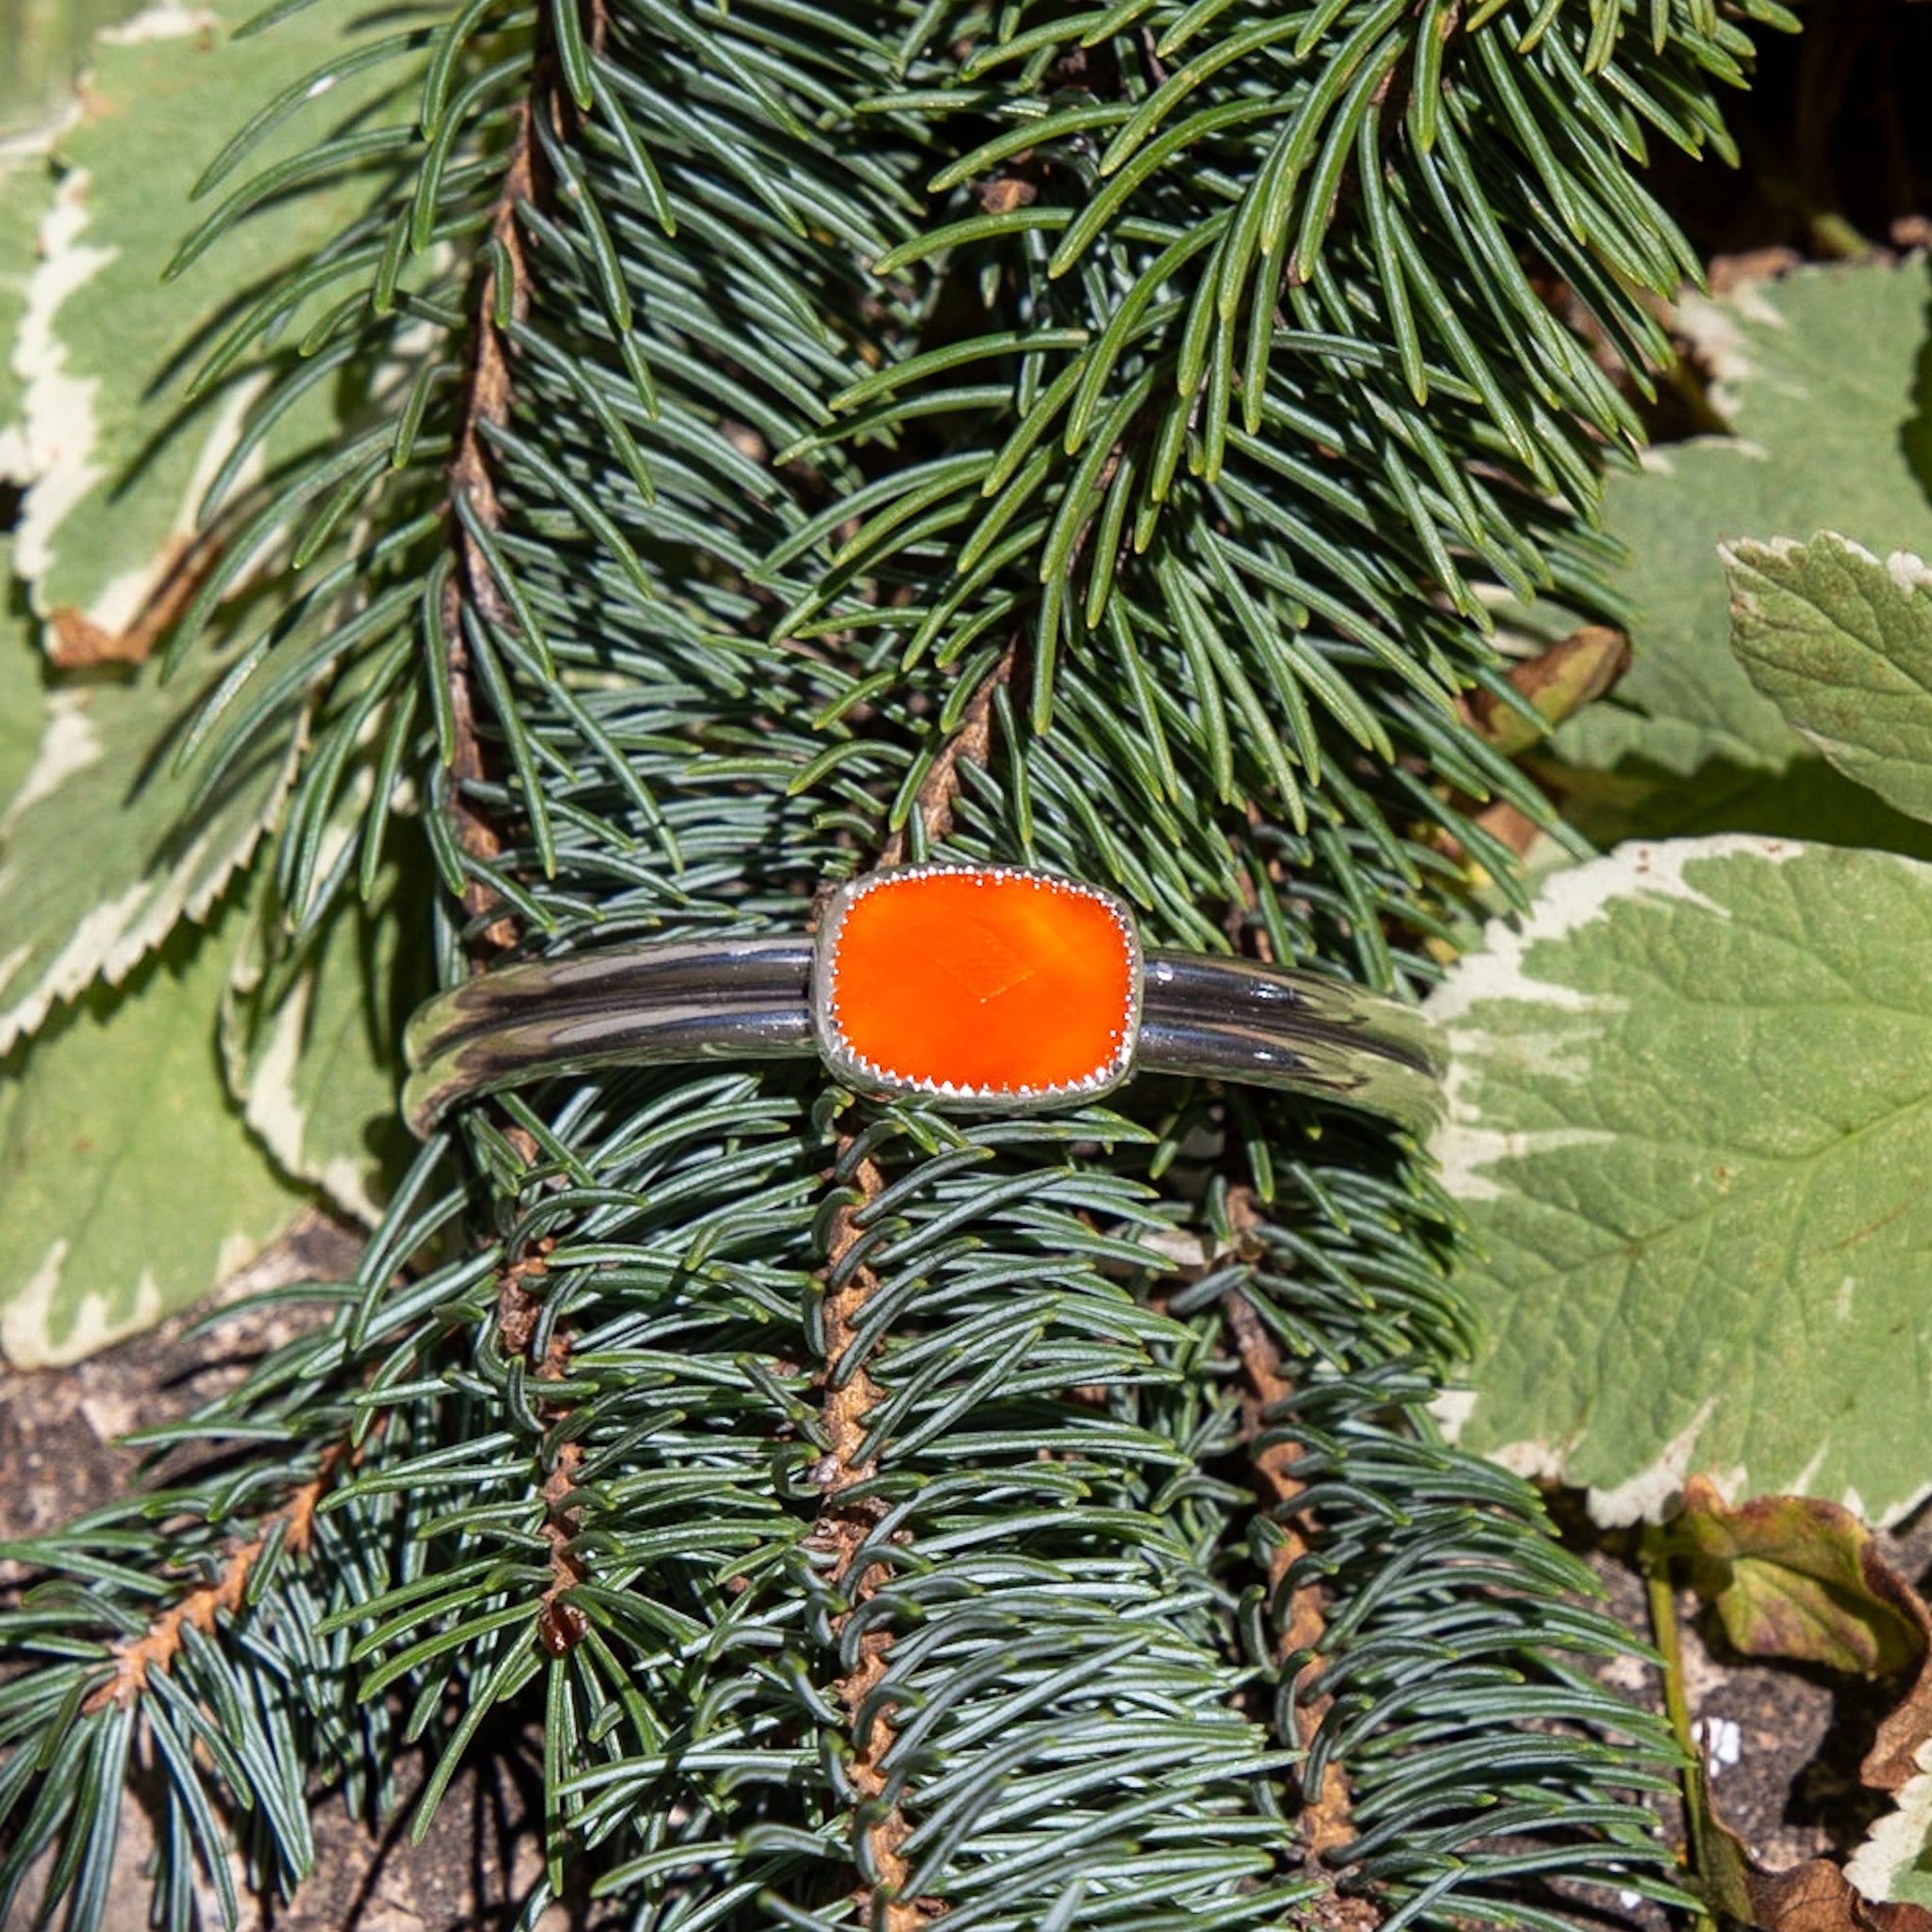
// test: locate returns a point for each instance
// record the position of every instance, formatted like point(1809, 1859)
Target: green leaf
point(99, 855)
point(1691, 1119)
point(121, 463)
point(1794, 1578)
point(129, 1186)
point(1816, 375)
point(46, 42)
point(26, 189)
point(1808, 799)
point(1895, 1861)
point(308, 1041)
point(21, 678)
point(84, 766)
point(1843, 645)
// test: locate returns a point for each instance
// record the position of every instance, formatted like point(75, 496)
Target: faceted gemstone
point(997, 983)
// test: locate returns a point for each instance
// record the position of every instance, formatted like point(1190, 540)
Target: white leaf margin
point(1899, 1840)
point(1464, 1149)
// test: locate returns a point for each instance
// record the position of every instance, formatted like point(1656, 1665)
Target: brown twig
point(844, 1524)
point(78, 644)
point(486, 400)
point(155, 1648)
point(849, 1396)
point(560, 1625)
point(972, 743)
point(486, 404)
point(1327, 1819)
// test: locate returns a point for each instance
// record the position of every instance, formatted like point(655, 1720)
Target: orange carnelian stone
point(991, 981)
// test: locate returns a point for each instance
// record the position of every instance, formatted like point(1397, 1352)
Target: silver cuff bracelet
point(976, 988)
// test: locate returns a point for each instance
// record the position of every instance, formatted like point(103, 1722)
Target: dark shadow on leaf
point(1810, 799)
point(1915, 432)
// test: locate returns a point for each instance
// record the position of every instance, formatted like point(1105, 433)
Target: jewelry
point(980, 987)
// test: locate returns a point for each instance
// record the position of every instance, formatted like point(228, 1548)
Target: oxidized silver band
point(757, 998)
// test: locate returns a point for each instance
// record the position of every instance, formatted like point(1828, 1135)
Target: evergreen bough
point(788, 438)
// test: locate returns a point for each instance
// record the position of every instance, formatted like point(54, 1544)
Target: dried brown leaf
point(1802, 1579)
point(1893, 1757)
point(1570, 674)
point(1816, 1896)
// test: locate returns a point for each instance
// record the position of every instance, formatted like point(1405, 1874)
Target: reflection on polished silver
point(695, 999)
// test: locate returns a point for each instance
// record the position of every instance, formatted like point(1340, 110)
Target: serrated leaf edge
point(116, 936)
point(58, 430)
point(1898, 1839)
point(1464, 1149)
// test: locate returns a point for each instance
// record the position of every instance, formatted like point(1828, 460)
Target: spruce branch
point(289, 1530)
point(561, 1625)
point(471, 593)
point(841, 1531)
point(1326, 1825)
point(469, 584)
point(968, 738)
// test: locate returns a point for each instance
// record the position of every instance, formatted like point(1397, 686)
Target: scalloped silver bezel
point(864, 1076)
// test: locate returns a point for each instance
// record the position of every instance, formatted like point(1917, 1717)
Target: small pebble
point(1724, 1738)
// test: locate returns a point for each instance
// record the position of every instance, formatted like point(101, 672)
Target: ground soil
point(1784, 1741)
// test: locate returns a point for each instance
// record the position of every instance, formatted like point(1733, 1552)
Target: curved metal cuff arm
point(751, 999)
